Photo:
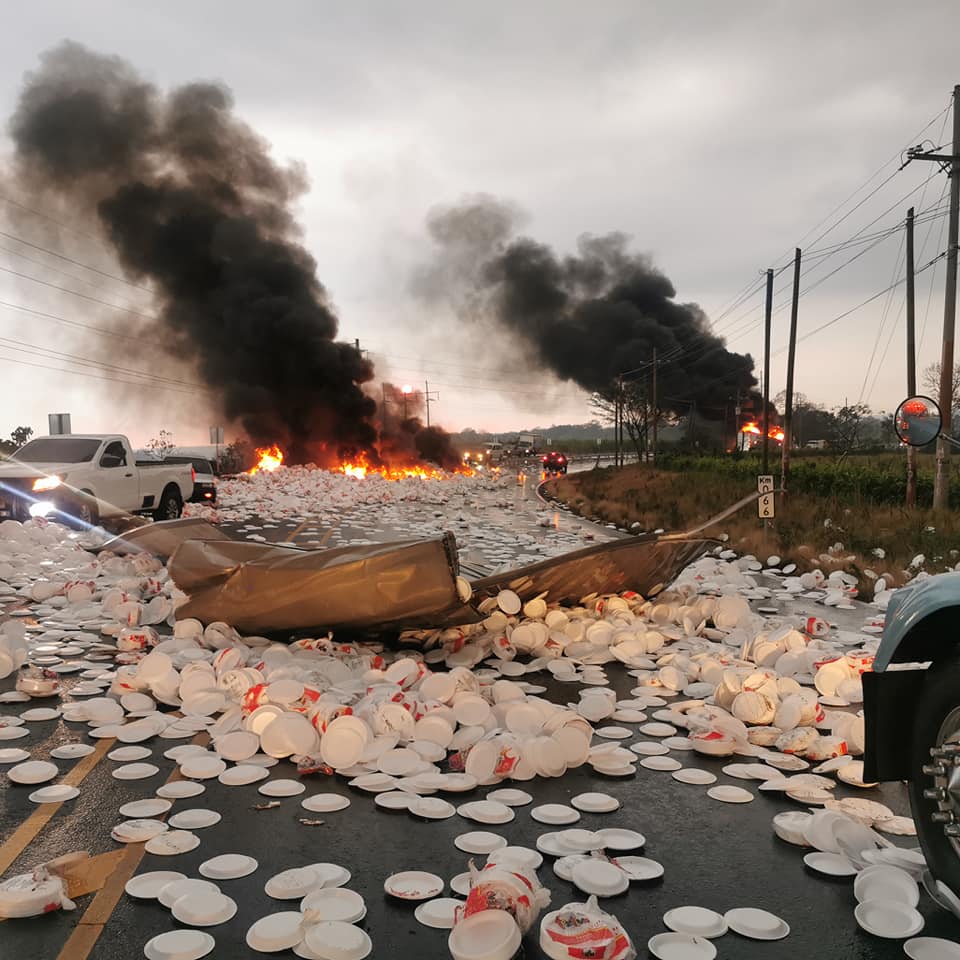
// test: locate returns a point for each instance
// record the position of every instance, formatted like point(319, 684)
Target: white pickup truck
point(88, 477)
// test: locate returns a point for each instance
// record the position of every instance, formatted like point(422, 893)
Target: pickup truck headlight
point(46, 483)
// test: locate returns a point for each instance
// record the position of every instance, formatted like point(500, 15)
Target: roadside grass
point(834, 530)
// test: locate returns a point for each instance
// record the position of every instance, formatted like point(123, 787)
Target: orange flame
point(269, 459)
point(361, 468)
point(774, 433)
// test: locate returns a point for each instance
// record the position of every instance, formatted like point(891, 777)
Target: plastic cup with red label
point(815, 627)
point(860, 663)
point(255, 697)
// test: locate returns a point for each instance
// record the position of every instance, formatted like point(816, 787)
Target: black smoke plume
point(585, 318)
point(192, 202)
point(405, 438)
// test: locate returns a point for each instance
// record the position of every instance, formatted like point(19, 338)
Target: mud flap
point(888, 698)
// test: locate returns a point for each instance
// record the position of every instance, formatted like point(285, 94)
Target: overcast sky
point(718, 135)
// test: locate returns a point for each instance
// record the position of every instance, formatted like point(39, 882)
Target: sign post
point(765, 502)
point(216, 438)
point(58, 424)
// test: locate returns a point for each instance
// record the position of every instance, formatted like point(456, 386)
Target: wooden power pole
point(911, 360)
point(768, 312)
point(941, 487)
point(791, 357)
point(618, 424)
point(656, 412)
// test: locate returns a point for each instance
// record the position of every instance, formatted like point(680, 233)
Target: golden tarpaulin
point(275, 588)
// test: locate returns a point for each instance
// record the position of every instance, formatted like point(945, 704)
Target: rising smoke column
point(585, 318)
point(193, 203)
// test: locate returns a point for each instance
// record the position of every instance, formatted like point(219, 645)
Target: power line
point(83, 296)
point(94, 376)
point(896, 157)
point(883, 318)
point(863, 303)
point(78, 263)
point(50, 219)
point(926, 312)
point(100, 331)
point(98, 284)
point(48, 353)
point(893, 330)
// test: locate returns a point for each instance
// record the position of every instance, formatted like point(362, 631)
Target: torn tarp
point(405, 585)
point(645, 564)
point(162, 538)
point(265, 588)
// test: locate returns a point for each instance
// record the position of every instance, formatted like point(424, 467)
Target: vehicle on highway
point(912, 695)
point(494, 452)
point(204, 478)
point(554, 462)
point(86, 478)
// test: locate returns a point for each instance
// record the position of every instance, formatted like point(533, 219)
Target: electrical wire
point(51, 219)
point(82, 296)
point(863, 303)
point(43, 315)
point(98, 284)
point(144, 375)
point(896, 157)
point(77, 263)
point(926, 312)
point(93, 376)
point(883, 318)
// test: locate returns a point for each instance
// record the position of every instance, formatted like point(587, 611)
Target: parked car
point(554, 462)
point(89, 477)
point(204, 478)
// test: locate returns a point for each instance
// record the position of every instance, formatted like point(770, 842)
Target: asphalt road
point(715, 855)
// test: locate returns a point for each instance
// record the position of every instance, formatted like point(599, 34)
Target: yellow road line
point(90, 926)
point(28, 830)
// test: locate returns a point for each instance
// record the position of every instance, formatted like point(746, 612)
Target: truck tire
point(85, 514)
point(170, 506)
point(936, 741)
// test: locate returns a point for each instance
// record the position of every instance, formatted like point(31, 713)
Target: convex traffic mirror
point(917, 421)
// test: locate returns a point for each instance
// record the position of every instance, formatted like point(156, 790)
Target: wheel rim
point(172, 511)
point(944, 770)
point(85, 514)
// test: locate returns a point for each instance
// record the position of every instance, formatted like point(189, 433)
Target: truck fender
point(921, 623)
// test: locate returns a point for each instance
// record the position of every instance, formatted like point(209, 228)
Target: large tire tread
point(941, 694)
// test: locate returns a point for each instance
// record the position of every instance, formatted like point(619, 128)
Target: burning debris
point(268, 460)
point(751, 433)
point(584, 318)
point(194, 205)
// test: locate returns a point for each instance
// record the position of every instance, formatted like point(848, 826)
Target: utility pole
point(619, 427)
point(656, 412)
point(791, 358)
point(427, 396)
point(911, 360)
point(383, 408)
point(768, 312)
point(737, 409)
point(951, 164)
point(941, 489)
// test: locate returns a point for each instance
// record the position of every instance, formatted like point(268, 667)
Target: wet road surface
point(715, 855)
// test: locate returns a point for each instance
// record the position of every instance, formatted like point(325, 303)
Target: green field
point(838, 515)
